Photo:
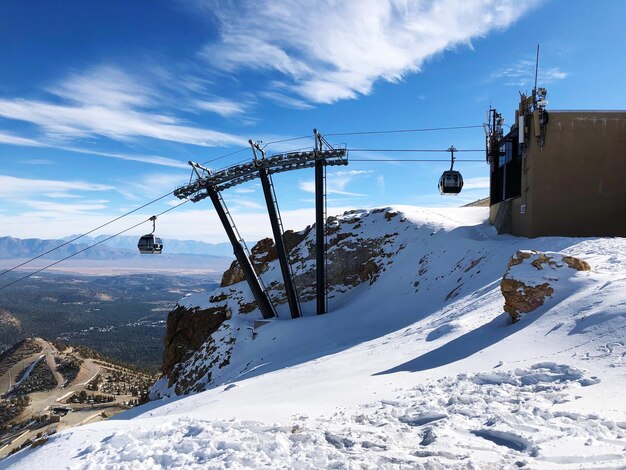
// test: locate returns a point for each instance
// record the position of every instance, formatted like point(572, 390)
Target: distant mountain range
point(121, 247)
point(172, 246)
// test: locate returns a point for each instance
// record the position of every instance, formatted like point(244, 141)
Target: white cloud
point(107, 102)
point(329, 50)
point(246, 203)
point(12, 187)
point(74, 121)
point(522, 74)
point(38, 161)
point(476, 183)
point(54, 209)
point(243, 190)
point(16, 140)
point(104, 86)
point(225, 108)
point(352, 172)
point(151, 185)
point(150, 159)
point(337, 182)
point(61, 195)
point(285, 100)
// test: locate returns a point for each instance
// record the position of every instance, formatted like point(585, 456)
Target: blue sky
point(103, 103)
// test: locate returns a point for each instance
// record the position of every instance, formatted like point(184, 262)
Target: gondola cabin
point(451, 182)
point(150, 245)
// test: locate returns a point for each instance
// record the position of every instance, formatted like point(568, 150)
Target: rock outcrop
point(187, 330)
point(530, 278)
point(199, 339)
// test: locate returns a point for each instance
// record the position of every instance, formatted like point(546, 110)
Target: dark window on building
point(506, 172)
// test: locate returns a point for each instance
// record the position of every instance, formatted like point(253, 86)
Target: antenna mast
point(536, 72)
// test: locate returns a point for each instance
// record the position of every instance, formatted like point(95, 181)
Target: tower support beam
point(320, 225)
point(272, 211)
point(244, 262)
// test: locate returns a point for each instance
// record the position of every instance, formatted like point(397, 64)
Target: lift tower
point(211, 183)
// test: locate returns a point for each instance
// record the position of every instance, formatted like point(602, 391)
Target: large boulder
point(531, 277)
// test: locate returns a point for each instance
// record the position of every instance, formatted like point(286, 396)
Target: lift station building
point(558, 173)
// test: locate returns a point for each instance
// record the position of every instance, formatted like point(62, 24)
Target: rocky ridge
point(195, 334)
point(430, 263)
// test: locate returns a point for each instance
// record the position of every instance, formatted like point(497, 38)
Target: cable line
point(90, 246)
point(398, 131)
point(234, 153)
point(248, 148)
point(413, 150)
point(84, 234)
point(410, 160)
point(105, 224)
point(227, 155)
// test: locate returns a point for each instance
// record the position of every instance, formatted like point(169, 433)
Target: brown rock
point(232, 275)
point(186, 331)
point(520, 298)
point(293, 239)
point(576, 263)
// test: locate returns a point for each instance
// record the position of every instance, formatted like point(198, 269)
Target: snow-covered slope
point(418, 365)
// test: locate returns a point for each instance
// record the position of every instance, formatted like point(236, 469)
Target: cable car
point(451, 181)
point(149, 244)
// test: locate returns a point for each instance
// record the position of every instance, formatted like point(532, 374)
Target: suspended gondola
point(149, 244)
point(451, 181)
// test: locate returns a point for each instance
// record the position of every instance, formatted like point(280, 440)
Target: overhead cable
point(89, 247)
point(398, 131)
point(410, 160)
point(415, 150)
point(84, 234)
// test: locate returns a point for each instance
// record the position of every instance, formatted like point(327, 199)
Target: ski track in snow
point(502, 419)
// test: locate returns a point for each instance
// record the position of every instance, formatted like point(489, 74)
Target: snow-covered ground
point(420, 368)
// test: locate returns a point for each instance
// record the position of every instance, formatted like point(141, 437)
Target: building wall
point(576, 184)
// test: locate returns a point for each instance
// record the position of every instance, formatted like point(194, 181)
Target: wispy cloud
point(38, 161)
point(328, 57)
point(286, 100)
point(224, 108)
point(49, 207)
point(61, 195)
point(109, 103)
point(522, 74)
point(150, 159)
point(74, 121)
point(338, 183)
point(246, 203)
point(151, 185)
point(16, 140)
point(476, 183)
point(13, 187)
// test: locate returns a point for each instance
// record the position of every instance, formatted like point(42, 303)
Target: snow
point(28, 371)
point(399, 374)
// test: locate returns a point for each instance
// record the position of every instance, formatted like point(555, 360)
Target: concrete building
point(558, 173)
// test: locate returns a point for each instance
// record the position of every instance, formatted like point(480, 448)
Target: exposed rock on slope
point(211, 338)
point(195, 333)
point(530, 276)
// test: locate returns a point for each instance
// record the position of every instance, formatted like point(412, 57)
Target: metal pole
point(246, 266)
point(280, 245)
point(319, 229)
